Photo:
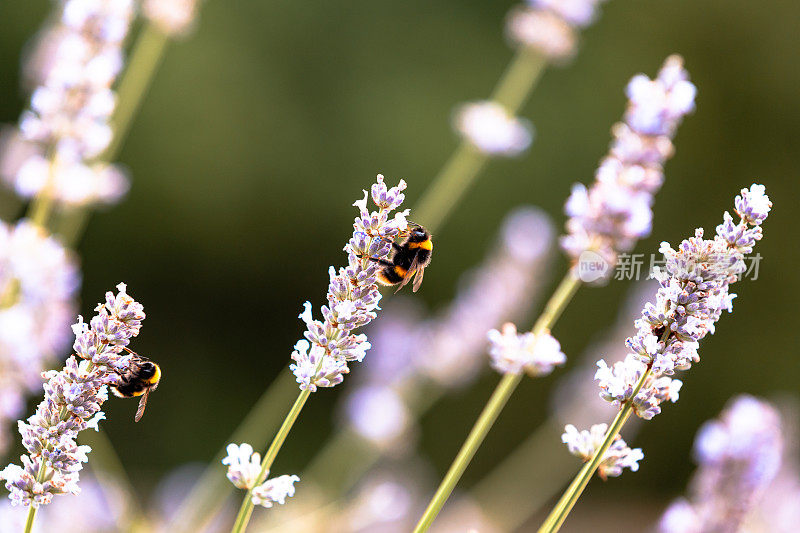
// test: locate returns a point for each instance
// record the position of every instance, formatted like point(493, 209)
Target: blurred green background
point(262, 128)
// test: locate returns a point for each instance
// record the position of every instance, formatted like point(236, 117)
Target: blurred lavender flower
point(503, 288)
point(39, 280)
point(353, 297)
point(379, 414)
point(585, 443)
point(70, 110)
point(492, 130)
point(72, 402)
point(99, 509)
point(513, 352)
point(692, 295)
point(739, 455)
point(616, 211)
point(244, 467)
point(550, 26)
point(173, 17)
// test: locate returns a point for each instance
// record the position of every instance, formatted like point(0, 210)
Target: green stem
point(463, 167)
point(30, 519)
point(519, 79)
point(555, 306)
point(147, 52)
point(557, 516)
point(247, 505)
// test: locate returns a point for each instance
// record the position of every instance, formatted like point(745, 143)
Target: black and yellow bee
point(140, 379)
point(409, 258)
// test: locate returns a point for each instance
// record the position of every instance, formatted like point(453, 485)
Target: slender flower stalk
point(321, 358)
point(692, 295)
point(607, 219)
point(73, 400)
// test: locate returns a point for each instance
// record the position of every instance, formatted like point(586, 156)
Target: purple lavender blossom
point(692, 295)
point(72, 402)
point(68, 123)
point(738, 457)
point(616, 211)
point(321, 359)
point(492, 130)
point(39, 280)
point(550, 27)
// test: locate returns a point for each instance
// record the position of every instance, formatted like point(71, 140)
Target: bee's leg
point(379, 261)
point(397, 247)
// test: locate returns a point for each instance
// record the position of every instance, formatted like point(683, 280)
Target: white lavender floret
point(72, 402)
point(738, 456)
point(550, 26)
point(244, 467)
point(585, 443)
point(513, 352)
point(174, 17)
point(492, 130)
point(353, 294)
point(616, 211)
point(693, 293)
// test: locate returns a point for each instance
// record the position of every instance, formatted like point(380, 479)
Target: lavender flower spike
point(692, 295)
point(738, 456)
point(616, 210)
point(321, 359)
point(584, 444)
point(244, 467)
point(72, 402)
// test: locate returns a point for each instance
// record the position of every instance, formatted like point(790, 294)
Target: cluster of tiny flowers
point(39, 280)
point(513, 352)
point(68, 120)
point(447, 349)
point(72, 402)
point(244, 467)
point(173, 17)
point(616, 210)
point(492, 130)
point(550, 26)
point(320, 360)
point(693, 293)
point(738, 455)
point(585, 443)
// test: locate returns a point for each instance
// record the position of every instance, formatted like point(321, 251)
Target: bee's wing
point(415, 268)
point(418, 278)
point(142, 405)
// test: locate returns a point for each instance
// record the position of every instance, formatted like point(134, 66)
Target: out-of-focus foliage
point(262, 127)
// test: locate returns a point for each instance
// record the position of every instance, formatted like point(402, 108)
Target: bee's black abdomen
point(129, 389)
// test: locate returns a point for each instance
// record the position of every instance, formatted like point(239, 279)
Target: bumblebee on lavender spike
point(139, 379)
point(409, 257)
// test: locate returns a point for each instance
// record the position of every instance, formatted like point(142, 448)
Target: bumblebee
point(140, 379)
point(409, 258)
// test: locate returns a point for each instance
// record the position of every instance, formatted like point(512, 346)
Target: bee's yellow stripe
point(156, 377)
point(425, 245)
point(400, 271)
